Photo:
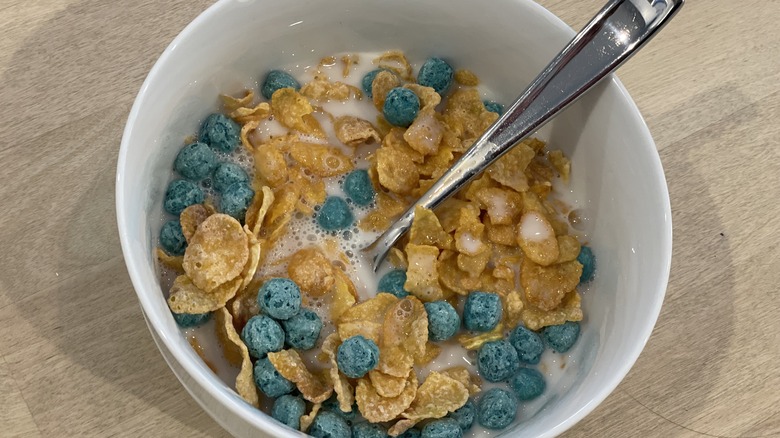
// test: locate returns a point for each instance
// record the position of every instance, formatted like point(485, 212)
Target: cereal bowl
point(617, 182)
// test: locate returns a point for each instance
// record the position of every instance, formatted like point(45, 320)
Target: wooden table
point(76, 356)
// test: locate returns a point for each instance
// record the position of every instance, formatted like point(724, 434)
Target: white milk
point(559, 369)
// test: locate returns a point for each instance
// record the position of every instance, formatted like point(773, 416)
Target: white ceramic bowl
point(617, 178)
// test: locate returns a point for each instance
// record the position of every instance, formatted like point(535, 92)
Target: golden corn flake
point(170, 262)
point(248, 273)
point(217, 252)
point(191, 217)
point(367, 329)
point(569, 310)
point(259, 207)
point(473, 342)
point(244, 115)
point(450, 276)
point(321, 89)
point(349, 61)
point(308, 419)
point(545, 286)
point(394, 139)
point(536, 237)
point(388, 208)
point(466, 77)
point(396, 171)
point(568, 248)
point(508, 170)
point(395, 360)
point(397, 258)
point(246, 130)
point(469, 238)
point(312, 271)
point(395, 61)
point(320, 159)
point(376, 408)
point(344, 391)
point(383, 82)
point(461, 374)
point(290, 365)
point(449, 213)
point(387, 385)
point(234, 347)
point(425, 133)
point(231, 103)
point(270, 164)
point(432, 351)
point(185, 297)
point(561, 164)
point(406, 325)
point(429, 98)
point(513, 308)
point(501, 234)
point(422, 275)
point(370, 310)
point(503, 206)
point(353, 131)
point(426, 230)
point(293, 110)
point(475, 264)
point(466, 115)
point(436, 397)
point(244, 305)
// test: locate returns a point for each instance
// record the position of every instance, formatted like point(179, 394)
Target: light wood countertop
point(76, 358)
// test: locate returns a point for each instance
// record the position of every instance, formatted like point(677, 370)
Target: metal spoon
point(618, 31)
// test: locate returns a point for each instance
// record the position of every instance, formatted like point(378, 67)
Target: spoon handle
point(618, 31)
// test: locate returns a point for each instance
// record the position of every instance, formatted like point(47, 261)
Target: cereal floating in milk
point(283, 188)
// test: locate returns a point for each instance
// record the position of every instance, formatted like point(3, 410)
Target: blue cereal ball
point(172, 238)
point(180, 195)
point(401, 106)
point(329, 425)
point(356, 356)
point(262, 335)
point(187, 320)
point(357, 185)
point(497, 360)
point(588, 261)
point(527, 384)
point(443, 320)
point(368, 80)
point(332, 404)
point(368, 430)
point(195, 161)
point(220, 132)
point(561, 337)
point(494, 107)
point(302, 330)
point(276, 80)
point(442, 428)
point(435, 73)
point(335, 214)
point(496, 409)
point(269, 381)
point(393, 283)
point(288, 410)
point(411, 433)
point(465, 415)
point(236, 199)
point(280, 298)
point(227, 174)
point(482, 311)
point(528, 344)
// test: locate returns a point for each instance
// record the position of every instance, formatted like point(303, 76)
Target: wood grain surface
point(76, 358)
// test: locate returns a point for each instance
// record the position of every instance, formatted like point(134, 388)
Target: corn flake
point(312, 271)
point(545, 286)
point(395, 61)
point(466, 77)
point(396, 171)
point(513, 308)
point(421, 277)
point(344, 391)
point(290, 365)
point(569, 310)
point(270, 164)
point(568, 248)
point(320, 159)
point(244, 115)
point(461, 374)
point(259, 207)
point(426, 230)
point(473, 342)
point(432, 351)
point(376, 408)
point(185, 297)
point(293, 110)
point(234, 349)
point(217, 252)
point(429, 98)
point(231, 103)
point(561, 164)
point(439, 395)
point(321, 89)
point(308, 419)
point(387, 385)
point(170, 262)
point(539, 244)
point(191, 217)
point(425, 133)
point(508, 170)
point(353, 131)
point(383, 82)
point(367, 329)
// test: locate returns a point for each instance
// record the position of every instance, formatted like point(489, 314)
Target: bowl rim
point(211, 383)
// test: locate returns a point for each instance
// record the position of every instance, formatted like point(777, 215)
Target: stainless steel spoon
point(618, 31)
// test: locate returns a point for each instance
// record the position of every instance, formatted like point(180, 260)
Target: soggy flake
point(290, 365)
point(231, 103)
point(568, 248)
point(270, 164)
point(425, 133)
point(436, 397)
point(535, 235)
point(321, 160)
point(561, 164)
point(353, 131)
point(461, 374)
point(422, 275)
point(191, 217)
point(569, 310)
point(545, 286)
point(170, 262)
point(466, 77)
point(323, 90)
point(312, 271)
point(426, 230)
point(308, 419)
point(395, 61)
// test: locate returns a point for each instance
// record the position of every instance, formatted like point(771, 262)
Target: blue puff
point(334, 214)
point(588, 261)
point(276, 80)
point(393, 283)
point(236, 199)
point(401, 107)
point(435, 73)
point(443, 320)
point(368, 430)
point(442, 428)
point(357, 185)
point(482, 311)
point(269, 381)
point(329, 425)
point(227, 174)
point(465, 415)
point(494, 107)
point(187, 320)
point(528, 344)
point(368, 81)
point(527, 384)
point(280, 298)
point(356, 356)
point(288, 410)
point(496, 409)
point(172, 238)
point(302, 330)
point(180, 195)
point(561, 337)
point(262, 335)
point(220, 132)
point(411, 433)
point(195, 161)
point(497, 360)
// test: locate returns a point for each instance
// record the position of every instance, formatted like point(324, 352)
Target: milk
point(559, 370)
